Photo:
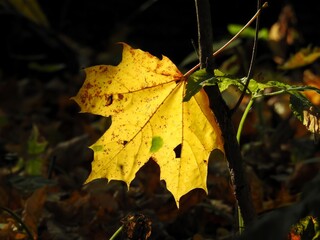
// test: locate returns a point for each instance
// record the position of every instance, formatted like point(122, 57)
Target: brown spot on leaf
point(120, 96)
point(97, 93)
point(88, 86)
point(82, 99)
point(103, 69)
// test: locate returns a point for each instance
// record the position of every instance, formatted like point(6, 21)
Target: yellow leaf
point(302, 58)
point(144, 96)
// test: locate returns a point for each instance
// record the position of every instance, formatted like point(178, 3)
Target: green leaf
point(195, 81)
point(224, 81)
point(293, 89)
point(249, 32)
point(35, 145)
point(299, 103)
point(34, 166)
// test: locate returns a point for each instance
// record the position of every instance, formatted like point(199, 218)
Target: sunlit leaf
point(144, 97)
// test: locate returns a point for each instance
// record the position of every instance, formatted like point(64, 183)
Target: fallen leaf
point(302, 58)
point(144, 95)
point(33, 210)
point(137, 226)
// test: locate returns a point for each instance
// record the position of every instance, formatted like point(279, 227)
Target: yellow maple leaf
point(144, 96)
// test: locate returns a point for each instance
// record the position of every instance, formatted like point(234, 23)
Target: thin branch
point(252, 61)
point(231, 40)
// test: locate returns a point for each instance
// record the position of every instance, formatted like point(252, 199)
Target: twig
point(230, 41)
point(253, 58)
point(52, 166)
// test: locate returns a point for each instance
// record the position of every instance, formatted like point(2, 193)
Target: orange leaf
point(33, 210)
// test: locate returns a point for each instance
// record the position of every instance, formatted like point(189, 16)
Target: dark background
point(164, 27)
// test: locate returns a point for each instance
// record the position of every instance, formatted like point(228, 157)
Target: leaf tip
point(96, 148)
